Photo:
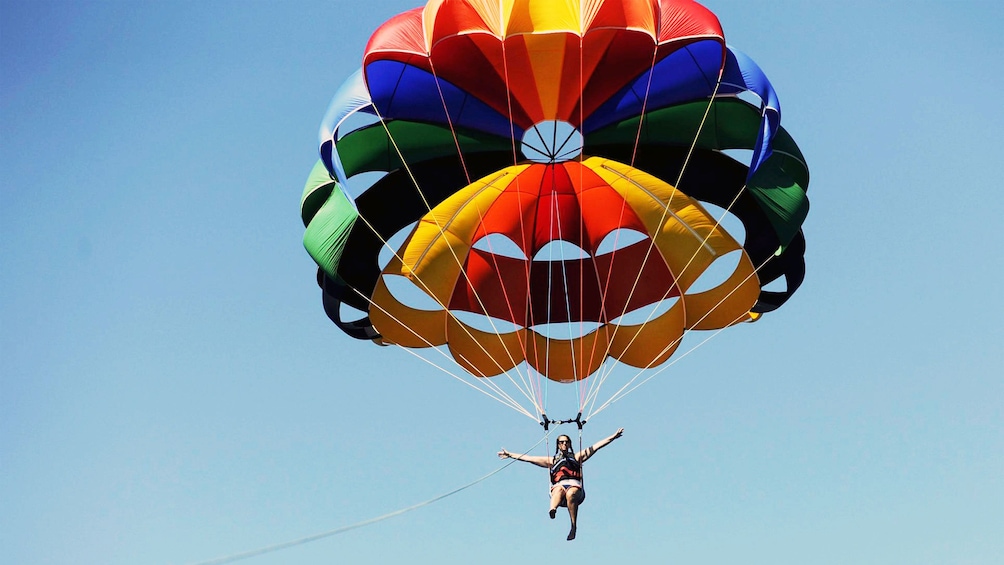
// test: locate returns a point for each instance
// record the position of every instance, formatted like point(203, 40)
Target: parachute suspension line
point(343, 529)
point(449, 120)
point(582, 478)
point(667, 205)
point(545, 441)
point(520, 336)
point(719, 303)
point(700, 128)
point(556, 218)
point(644, 104)
point(585, 393)
point(432, 295)
point(550, 282)
point(541, 392)
point(508, 92)
point(502, 396)
point(666, 208)
point(603, 377)
point(555, 226)
point(634, 152)
point(509, 401)
point(581, 386)
point(536, 384)
point(704, 243)
point(442, 233)
point(620, 394)
point(718, 223)
point(595, 384)
point(534, 378)
point(463, 326)
point(594, 391)
point(404, 162)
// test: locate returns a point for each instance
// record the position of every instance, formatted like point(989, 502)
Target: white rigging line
point(510, 402)
point(442, 232)
point(528, 389)
point(718, 222)
point(620, 394)
point(666, 206)
point(432, 295)
point(343, 529)
point(502, 397)
point(579, 385)
point(641, 120)
point(536, 385)
point(523, 344)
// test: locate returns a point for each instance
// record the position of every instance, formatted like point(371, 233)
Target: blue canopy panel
point(351, 97)
point(742, 74)
point(406, 92)
point(687, 74)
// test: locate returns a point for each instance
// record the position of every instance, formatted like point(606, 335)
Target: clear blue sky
point(171, 391)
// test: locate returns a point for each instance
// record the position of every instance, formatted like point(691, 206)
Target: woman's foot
point(571, 534)
point(552, 512)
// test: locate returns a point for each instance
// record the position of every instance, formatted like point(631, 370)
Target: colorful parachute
point(530, 183)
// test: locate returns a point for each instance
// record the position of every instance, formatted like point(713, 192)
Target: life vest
point(565, 467)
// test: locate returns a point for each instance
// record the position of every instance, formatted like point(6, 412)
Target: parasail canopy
point(542, 188)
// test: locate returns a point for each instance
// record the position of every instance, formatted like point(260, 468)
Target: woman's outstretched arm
point(538, 460)
point(589, 451)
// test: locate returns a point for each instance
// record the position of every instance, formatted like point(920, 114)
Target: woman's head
point(563, 443)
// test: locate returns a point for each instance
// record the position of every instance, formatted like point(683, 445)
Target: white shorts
point(567, 484)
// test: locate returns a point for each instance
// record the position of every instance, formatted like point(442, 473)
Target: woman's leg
point(557, 498)
point(572, 500)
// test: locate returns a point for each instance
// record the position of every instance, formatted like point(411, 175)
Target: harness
point(565, 467)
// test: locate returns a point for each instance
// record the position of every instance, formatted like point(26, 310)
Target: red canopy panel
point(567, 202)
point(598, 289)
point(545, 73)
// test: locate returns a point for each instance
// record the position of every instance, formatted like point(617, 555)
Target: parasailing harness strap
point(564, 467)
point(546, 422)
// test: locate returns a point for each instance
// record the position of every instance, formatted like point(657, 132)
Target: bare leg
point(572, 500)
point(557, 495)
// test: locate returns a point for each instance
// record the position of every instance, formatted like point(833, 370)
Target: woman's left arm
point(589, 451)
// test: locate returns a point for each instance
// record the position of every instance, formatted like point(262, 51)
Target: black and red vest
point(565, 467)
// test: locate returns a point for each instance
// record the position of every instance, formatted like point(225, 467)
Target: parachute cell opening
point(551, 141)
point(499, 244)
point(620, 238)
point(717, 273)
point(410, 294)
point(560, 250)
point(393, 244)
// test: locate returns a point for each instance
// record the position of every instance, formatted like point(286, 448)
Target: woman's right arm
point(538, 460)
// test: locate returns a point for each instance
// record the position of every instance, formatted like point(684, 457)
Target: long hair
point(568, 450)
